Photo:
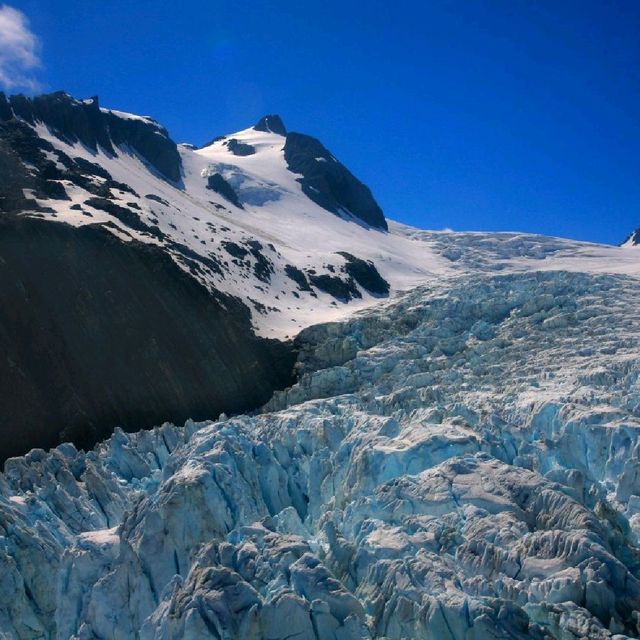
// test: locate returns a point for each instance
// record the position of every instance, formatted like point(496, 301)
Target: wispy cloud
point(19, 51)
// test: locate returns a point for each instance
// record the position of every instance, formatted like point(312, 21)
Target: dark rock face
point(150, 141)
point(329, 183)
point(5, 108)
point(218, 184)
point(24, 165)
point(298, 276)
point(14, 177)
point(344, 286)
point(83, 121)
point(20, 146)
point(72, 120)
point(123, 214)
point(364, 272)
point(263, 267)
point(208, 144)
point(115, 335)
point(271, 124)
point(634, 238)
point(343, 290)
point(155, 198)
point(240, 148)
point(235, 250)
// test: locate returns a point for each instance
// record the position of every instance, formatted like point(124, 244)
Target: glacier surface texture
point(460, 462)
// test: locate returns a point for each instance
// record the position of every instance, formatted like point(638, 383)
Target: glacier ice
point(462, 462)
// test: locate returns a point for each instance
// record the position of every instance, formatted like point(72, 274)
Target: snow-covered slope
point(461, 463)
point(242, 222)
point(267, 251)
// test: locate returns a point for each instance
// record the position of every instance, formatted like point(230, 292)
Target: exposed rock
point(115, 335)
point(235, 250)
point(6, 112)
point(271, 124)
point(124, 214)
point(329, 183)
point(156, 198)
point(83, 121)
point(262, 267)
point(148, 139)
point(343, 289)
point(240, 148)
point(364, 272)
point(298, 276)
point(217, 183)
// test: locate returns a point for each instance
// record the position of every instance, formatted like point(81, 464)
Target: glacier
point(459, 462)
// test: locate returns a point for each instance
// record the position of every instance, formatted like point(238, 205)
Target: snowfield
point(291, 230)
point(460, 462)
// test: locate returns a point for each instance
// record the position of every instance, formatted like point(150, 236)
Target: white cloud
point(19, 51)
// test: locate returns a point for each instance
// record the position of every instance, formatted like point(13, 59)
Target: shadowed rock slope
point(115, 335)
point(329, 183)
point(84, 122)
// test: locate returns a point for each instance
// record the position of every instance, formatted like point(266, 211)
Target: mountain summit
point(111, 233)
point(633, 239)
point(271, 124)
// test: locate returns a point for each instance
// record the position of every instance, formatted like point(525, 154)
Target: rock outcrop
point(271, 124)
point(85, 122)
point(633, 240)
point(97, 333)
point(329, 183)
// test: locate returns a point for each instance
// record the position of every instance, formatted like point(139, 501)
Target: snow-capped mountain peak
point(263, 214)
point(271, 124)
point(260, 214)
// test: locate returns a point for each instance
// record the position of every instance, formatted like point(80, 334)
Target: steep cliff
point(97, 333)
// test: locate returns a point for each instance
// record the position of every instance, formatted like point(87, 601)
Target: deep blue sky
point(467, 114)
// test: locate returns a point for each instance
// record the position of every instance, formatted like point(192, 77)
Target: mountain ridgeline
point(329, 184)
point(109, 321)
point(84, 122)
point(633, 239)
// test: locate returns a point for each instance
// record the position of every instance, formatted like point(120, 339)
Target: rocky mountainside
point(135, 273)
point(264, 215)
point(97, 333)
point(633, 240)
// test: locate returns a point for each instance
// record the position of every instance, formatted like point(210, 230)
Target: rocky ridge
point(633, 240)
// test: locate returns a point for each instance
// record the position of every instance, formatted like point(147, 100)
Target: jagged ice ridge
point(461, 462)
